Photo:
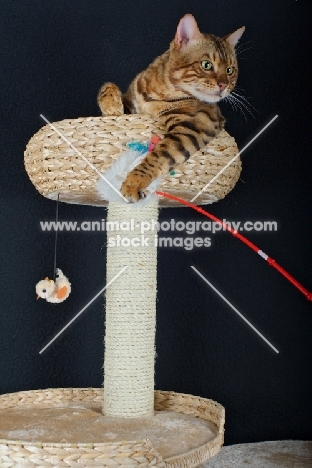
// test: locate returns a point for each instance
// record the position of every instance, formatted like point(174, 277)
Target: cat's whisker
point(242, 106)
point(228, 101)
point(242, 47)
point(239, 96)
point(248, 109)
point(241, 93)
point(240, 89)
point(237, 105)
point(243, 44)
point(244, 103)
point(232, 103)
point(243, 50)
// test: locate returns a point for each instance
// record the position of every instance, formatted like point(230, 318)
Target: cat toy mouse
point(54, 291)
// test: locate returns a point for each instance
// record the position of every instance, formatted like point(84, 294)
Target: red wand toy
point(268, 259)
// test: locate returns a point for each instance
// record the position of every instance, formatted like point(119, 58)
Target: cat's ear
point(187, 31)
point(233, 38)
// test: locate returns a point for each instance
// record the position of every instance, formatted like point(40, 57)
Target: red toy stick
point(268, 259)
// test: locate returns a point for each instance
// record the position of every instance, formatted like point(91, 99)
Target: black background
point(54, 57)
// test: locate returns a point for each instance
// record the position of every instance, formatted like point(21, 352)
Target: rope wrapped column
point(130, 310)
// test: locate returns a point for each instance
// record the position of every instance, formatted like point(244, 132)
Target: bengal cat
point(181, 88)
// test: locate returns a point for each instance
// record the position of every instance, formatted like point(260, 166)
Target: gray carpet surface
point(276, 454)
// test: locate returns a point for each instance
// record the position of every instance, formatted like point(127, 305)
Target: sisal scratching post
point(130, 311)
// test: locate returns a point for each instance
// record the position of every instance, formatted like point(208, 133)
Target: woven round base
point(55, 167)
point(184, 432)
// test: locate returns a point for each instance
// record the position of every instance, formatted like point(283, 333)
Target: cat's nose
point(222, 86)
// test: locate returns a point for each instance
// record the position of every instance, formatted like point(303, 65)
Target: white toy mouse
point(54, 291)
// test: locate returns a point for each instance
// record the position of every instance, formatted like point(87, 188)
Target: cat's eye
point(230, 70)
point(206, 65)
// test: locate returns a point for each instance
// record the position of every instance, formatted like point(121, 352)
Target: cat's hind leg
point(109, 100)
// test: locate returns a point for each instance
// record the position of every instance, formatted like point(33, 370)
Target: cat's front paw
point(110, 100)
point(134, 187)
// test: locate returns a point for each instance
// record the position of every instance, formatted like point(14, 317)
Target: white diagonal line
point(235, 157)
point(84, 308)
point(235, 310)
point(83, 157)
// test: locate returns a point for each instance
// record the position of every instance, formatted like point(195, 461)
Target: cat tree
point(135, 421)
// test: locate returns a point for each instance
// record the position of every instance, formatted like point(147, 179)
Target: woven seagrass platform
point(185, 431)
point(54, 167)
